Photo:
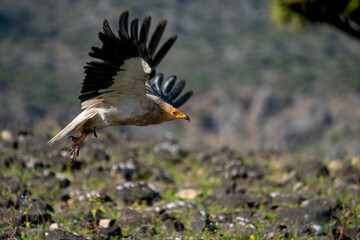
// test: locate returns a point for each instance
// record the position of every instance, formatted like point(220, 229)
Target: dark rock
point(220, 155)
point(12, 184)
point(286, 199)
point(202, 221)
point(128, 168)
point(64, 183)
point(172, 225)
point(311, 168)
point(235, 200)
point(144, 231)
point(61, 234)
point(83, 224)
point(198, 225)
point(276, 231)
point(48, 181)
point(246, 229)
point(8, 160)
point(351, 174)
point(64, 198)
point(4, 202)
point(158, 174)
point(226, 188)
point(318, 211)
point(231, 217)
point(98, 173)
point(177, 205)
point(100, 155)
point(108, 233)
point(128, 217)
point(130, 192)
point(74, 165)
point(169, 150)
point(36, 219)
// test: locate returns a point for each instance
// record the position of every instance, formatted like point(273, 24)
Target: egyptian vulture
point(120, 86)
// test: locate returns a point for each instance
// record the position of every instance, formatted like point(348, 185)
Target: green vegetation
point(190, 172)
point(342, 14)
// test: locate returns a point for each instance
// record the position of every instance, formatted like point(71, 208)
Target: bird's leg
point(75, 147)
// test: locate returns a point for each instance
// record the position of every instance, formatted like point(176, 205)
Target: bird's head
point(176, 114)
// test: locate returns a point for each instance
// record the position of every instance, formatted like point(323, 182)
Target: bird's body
point(117, 90)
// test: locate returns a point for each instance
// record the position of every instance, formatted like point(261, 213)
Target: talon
point(74, 149)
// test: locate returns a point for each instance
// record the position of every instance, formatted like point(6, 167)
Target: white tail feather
point(85, 115)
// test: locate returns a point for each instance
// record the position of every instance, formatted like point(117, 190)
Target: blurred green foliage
point(343, 14)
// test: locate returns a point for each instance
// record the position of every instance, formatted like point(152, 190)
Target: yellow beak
point(180, 115)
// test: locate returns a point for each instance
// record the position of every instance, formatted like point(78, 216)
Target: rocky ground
point(118, 188)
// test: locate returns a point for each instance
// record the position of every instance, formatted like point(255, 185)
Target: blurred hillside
point(255, 85)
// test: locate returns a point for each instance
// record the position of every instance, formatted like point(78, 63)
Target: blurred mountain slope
point(253, 82)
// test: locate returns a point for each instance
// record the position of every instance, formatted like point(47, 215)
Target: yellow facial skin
point(176, 114)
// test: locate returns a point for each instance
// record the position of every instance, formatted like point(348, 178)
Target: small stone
point(7, 135)
point(297, 186)
point(355, 162)
point(104, 223)
point(188, 194)
point(54, 226)
point(318, 229)
point(335, 165)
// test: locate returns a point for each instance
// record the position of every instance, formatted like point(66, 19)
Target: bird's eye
point(173, 112)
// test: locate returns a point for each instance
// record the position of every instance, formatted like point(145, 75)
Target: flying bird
point(121, 86)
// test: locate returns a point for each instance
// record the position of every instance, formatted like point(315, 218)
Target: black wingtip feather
point(175, 92)
point(166, 92)
point(158, 82)
point(163, 50)
point(144, 31)
point(155, 39)
point(123, 26)
point(134, 31)
point(183, 99)
point(169, 84)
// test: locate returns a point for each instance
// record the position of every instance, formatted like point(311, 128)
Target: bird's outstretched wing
point(168, 92)
point(124, 61)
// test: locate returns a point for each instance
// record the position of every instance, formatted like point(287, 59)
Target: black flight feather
point(155, 39)
point(163, 50)
point(183, 99)
point(168, 85)
point(158, 83)
point(115, 50)
point(175, 92)
point(144, 31)
point(165, 92)
point(134, 31)
point(123, 26)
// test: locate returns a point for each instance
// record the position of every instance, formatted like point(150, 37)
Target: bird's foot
point(75, 147)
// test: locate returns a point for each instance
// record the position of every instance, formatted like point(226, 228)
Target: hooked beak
point(180, 115)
